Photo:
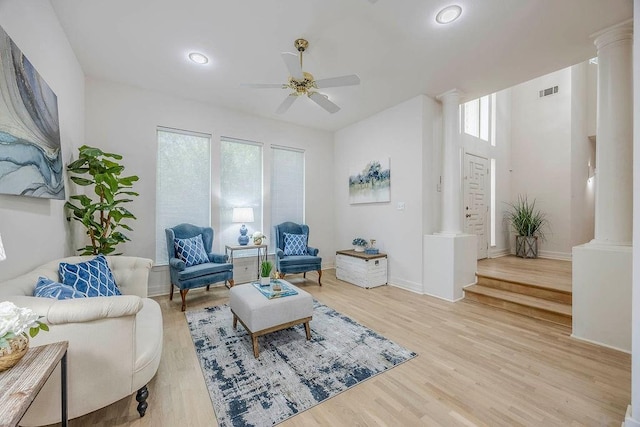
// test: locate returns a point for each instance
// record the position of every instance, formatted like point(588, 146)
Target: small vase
point(257, 241)
point(18, 347)
point(358, 248)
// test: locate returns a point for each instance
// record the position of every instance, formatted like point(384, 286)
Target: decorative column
point(450, 257)
point(614, 140)
point(451, 164)
point(602, 268)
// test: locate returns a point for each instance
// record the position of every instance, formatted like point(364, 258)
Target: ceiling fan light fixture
point(198, 58)
point(449, 14)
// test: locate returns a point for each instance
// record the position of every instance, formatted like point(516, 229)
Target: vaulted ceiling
point(394, 46)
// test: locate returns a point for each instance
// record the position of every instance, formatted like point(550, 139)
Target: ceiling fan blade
point(292, 62)
point(349, 80)
point(324, 102)
point(286, 104)
point(263, 85)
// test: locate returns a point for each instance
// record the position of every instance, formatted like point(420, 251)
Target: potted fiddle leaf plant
point(102, 210)
point(528, 224)
point(265, 272)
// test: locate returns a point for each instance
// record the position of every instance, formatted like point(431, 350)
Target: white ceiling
point(395, 47)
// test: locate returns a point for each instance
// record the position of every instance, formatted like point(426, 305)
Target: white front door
point(476, 207)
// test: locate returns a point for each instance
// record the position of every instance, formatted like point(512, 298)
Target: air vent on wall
point(548, 91)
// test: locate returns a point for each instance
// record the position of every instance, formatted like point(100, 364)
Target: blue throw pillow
point(191, 250)
point(295, 244)
point(47, 288)
point(92, 278)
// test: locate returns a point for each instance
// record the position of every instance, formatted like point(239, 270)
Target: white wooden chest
point(364, 270)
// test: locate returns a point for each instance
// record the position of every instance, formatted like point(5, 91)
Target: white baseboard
point(499, 253)
point(599, 344)
point(562, 256)
point(406, 285)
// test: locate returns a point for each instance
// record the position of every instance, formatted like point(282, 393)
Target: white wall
point(401, 133)
point(502, 154)
point(124, 119)
point(34, 230)
point(582, 154)
point(541, 155)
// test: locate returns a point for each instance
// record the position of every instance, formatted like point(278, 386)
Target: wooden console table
point(20, 385)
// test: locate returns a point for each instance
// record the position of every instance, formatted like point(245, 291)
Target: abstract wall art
point(30, 157)
point(370, 182)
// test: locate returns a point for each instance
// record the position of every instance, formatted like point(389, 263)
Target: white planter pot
point(358, 248)
point(265, 280)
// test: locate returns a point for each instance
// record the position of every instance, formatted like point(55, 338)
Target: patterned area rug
point(292, 374)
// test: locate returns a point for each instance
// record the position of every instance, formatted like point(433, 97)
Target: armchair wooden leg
point(304, 275)
point(208, 287)
point(231, 283)
point(141, 397)
point(170, 291)
point(319, 277)
point(183, 294)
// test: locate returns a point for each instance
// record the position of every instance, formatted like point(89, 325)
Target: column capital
point(452, 94)
point(619, 32)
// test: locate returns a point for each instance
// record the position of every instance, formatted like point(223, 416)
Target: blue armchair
point(217, 269)
point(299, 260)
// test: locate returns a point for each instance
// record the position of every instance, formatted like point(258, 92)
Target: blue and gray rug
point(292, 374)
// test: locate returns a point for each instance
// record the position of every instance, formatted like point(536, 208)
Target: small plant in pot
point(265, 272)
point(528, 223)
point(359, 244)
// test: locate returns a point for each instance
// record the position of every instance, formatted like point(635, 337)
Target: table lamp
point(3, 256)
point(243, 215)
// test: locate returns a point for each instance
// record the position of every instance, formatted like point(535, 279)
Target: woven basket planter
point(18, 347)
point(527, 246)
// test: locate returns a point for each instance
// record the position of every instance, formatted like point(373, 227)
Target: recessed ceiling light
point(198, 58)
point(448, 14)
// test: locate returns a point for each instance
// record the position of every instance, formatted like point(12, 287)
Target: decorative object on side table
point(14, 324)
point(359, 244)
point(101, 217)
point(527, 222)
point(258, 237)
point(242, 215)
point(265, 272)
point(371, 250)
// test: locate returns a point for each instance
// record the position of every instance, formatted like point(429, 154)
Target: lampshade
point(3, 256)
point(243, 215)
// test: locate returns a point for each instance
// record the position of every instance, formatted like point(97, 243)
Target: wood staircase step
point(527, 305)
point(520, 287)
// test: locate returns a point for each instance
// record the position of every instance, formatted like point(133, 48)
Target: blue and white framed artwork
point(370, 182)
point(30, 157)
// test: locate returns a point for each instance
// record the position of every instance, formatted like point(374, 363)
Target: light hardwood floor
point(477, 365)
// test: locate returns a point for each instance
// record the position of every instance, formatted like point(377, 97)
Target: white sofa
point(115, 342)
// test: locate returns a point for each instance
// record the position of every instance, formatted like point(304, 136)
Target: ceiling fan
point(302, 83)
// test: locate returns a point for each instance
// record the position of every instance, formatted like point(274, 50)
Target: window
point(287, 187)
point(240, 187)
point(476, 118)
point(183, 194)
point(494, 222)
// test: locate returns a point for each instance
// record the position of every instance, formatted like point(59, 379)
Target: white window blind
point(183, 186)
point(287, 187)
point(240, 187)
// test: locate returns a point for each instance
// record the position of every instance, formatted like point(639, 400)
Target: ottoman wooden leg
point(254, 340)
point(235, 321)
point(307, 329)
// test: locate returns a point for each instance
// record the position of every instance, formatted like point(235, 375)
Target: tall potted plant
point(527, 222)
point(102, 217)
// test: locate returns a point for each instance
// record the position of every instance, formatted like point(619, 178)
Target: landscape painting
point(370, 182)
point(30, 157)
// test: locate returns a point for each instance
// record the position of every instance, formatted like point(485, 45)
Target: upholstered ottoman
point(260, 315)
